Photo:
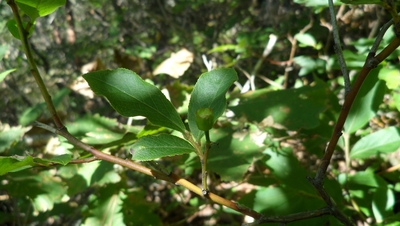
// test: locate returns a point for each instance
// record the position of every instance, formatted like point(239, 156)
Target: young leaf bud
point(204, 119)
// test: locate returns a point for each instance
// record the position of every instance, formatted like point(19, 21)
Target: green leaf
point(14, 163)
point(306, 39)
point(366, 103)
point(309, 64)
point(13, 28)
point(234, 152)
point(383, 203)
point(3, 50)
point(39, 8)
point(153, 147)
point(223, 48)
point(383, 141)
point(129, 95)
point(142, 212)
point(105, 207)
point(60, 159)
point(209, 92)
point(390, 76)
point(5, 73)
point(96, 129)
point(366, 179)
point(292, 108)
point(32, 113)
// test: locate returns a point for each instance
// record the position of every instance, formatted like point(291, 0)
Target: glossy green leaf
point(15, 163)
point(39, 8)
point(383, 141)
point(5, 73)
point(153, 147)
point(129, 95)
point(366, 103)
point(292, 108)
point(209, 92)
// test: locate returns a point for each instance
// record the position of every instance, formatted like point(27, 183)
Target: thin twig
point(23, 33)
point(371, 62)
point(338, 48)
point(173, 178)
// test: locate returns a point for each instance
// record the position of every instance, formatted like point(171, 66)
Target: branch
point(23, 34)
point(173, 178)
point(371, 62)
point(338, 48)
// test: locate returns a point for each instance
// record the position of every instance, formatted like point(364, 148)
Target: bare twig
point(23, 33)
point(338, 48)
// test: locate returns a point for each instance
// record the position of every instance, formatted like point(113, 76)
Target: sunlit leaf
point(14, 163)
point(209, 92)
point(306, 39)
point(39, 8)
point(152, 147)
point(5, 73)
point(391, 77)
point(383, 203)
point(366, 103)
point(131, 96)
point(383, 141)
point(367, 179)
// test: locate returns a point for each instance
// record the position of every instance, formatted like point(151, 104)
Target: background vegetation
point(280, 116)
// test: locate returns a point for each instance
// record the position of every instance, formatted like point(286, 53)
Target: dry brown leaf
point(80, 86)
point(176, 65)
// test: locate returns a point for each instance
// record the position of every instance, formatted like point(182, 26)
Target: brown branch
point(371, 62)
point(173, 178)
